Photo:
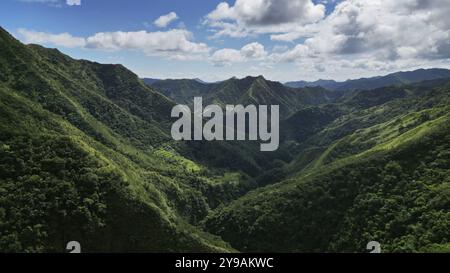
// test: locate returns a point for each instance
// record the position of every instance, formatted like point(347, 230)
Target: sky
point(283, 40)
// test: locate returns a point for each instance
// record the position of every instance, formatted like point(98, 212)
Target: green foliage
point(398, 198)
point(86, 154)
point(80, 160)
point(182, 91)
point(357, 178)
point(249, 90)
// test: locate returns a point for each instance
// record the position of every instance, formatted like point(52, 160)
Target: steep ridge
point(85, 151)
point(182, 91)
point(378, 171)
point(246, 91)
point(86, 154)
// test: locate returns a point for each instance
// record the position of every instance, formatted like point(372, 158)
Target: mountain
point(327, 84)
point(249, 90)
point(150, 81)
point(377, 82)
point(200, 81)
point(86, 155)
point(374, 168)
point(181, 91)
point(85, 150)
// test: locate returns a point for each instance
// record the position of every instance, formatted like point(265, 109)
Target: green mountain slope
point(85, 151)
point(378, 171)
point(182, 91)
point(249, 90)
point(86, 155)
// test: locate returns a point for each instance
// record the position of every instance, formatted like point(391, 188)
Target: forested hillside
point(86, 155)
point(249, 90)
point(377, 170)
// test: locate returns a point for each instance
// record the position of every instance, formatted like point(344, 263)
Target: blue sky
point(215, 39)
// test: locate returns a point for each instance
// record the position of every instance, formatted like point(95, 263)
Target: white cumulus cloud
point(164, 20)
point(228, 56)
point(176, 43)
point(73, 2)
point(263, 16)
point(254, 50)
point(360, 37)
point(62, 39)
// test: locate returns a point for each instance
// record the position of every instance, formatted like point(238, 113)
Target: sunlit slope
point(379, 172)
point(86, 156)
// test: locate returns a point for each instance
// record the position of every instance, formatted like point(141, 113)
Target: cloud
point(356, 38)
point(254, 51)
point(164, 20)
point(51, 3)
point(55, 3)
point(63, 39)
point(268, 12)
point(365, 36)
point(263, 16)
point(39, 1)
point(223, 11)
point(228, 56)
point(356, 31)
point(73, 2)
point(387, 29)
point(174, 44)
point(298, 52)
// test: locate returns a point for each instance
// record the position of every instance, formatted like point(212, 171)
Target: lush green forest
point(86, 155)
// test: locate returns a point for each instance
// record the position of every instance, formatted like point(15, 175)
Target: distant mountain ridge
point(397, 78)
point(249, 90)
point(150, 81)
point(181, 91)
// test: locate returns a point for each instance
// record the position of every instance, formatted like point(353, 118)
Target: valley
point(86, 154)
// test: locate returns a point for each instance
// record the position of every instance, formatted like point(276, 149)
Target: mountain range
point(398, 78)
point(86, 155)
point(249, 90)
